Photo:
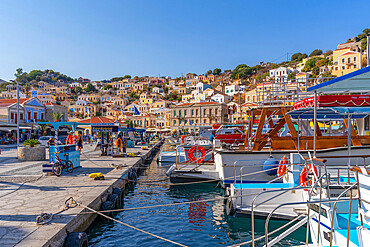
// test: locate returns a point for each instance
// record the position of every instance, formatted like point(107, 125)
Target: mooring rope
point(133, 227)
point(169, 204)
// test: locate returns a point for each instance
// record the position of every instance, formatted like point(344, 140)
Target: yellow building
point(144, 99)
point(161, 104)
point(346, 61)
point(186, 97)
point(302, 77)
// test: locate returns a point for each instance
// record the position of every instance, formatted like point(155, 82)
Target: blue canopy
point(357, 81)
point(56, 125)
point(330, 112)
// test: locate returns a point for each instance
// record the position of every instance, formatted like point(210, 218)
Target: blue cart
point(72, 154)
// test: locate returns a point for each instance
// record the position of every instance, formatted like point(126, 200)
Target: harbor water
point(196, 224)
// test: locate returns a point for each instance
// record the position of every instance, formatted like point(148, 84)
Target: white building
point(221, 98)
point(231, 90)
point(281, 74)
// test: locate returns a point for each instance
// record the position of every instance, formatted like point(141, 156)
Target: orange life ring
point(197, 149)
point(303, 177)
point(119, 143)
point(281, 170)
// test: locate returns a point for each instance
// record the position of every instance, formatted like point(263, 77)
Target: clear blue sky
point(103, 39)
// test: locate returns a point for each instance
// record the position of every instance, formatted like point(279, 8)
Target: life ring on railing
point(197, 149)
point(282, 166)
point(303, 177)
point(119, 143)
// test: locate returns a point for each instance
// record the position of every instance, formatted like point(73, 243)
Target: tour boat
point(283, 139)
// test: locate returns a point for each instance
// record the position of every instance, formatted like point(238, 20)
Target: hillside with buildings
point(165, 103)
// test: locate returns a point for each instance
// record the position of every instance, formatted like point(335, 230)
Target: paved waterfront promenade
point(25, 194)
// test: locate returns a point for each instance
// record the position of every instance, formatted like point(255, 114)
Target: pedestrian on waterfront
point(69, 140)
point(119, 143)
point(51, 141)
point(79, 142)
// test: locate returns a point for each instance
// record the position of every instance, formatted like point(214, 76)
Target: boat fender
point(303, 176)
point(107, 205)
point(169, 171)
point(120, 193)
point(114, 199)
point(132, 176)
point(227, 194)
point(76, 239)
point(270, 166)
point(230, 210)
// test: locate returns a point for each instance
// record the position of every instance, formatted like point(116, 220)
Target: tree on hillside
point(77, 90)
point(297, 57)
point(291, 76)
point(107, 87)
point(316, 52)
point(241, 71)
point(216, 71)
point(209, 72)
point(127, 77)
point(363, 38)
point(314, 62)
point(133, 96)
point(90, 88)
point(328, 53)
point(20, 75)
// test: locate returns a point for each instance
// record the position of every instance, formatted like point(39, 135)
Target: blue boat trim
point(327, 227)
point(264, 186)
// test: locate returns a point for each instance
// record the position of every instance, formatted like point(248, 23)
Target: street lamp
point(17, 115)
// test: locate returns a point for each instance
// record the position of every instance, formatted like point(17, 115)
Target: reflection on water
point(196, 224)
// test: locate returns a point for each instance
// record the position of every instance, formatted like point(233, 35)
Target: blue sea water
point(196, 224)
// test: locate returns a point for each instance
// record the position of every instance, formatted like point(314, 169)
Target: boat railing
point(283, 191)
point(349, 213)
point(308, 216)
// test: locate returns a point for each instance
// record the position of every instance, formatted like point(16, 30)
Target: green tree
point(241, 71)
point(107, 87)
point(217, 71)
point(311, 63)
point(77, 90)
point(297, 57)
point(291, 76)
point(57, 116)
point(316, 70)
point(98, 114)
point(328, 53)
point(134, 96)
point(316, 52)
point(90, 88)
point(209, 72)
point(127, 77)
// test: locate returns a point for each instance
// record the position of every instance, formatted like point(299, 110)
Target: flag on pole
point(136, 111)
point(88, 110)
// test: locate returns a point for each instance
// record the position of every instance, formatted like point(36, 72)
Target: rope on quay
point(28, 181)
point(152, 182)
point(133, 227)
point(274, 231)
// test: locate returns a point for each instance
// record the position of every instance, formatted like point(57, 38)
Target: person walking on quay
point(69, 140)
point(79, 142)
